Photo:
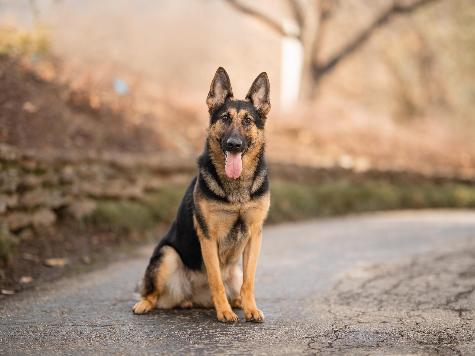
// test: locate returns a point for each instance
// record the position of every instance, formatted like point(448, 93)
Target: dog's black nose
point(233, 144)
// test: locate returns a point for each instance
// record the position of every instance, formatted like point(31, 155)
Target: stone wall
point(36, 190)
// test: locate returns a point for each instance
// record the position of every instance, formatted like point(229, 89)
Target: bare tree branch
point(298, 14)
point(262, 17)
point(322, 13)
point(312, 31)
point(398, 8)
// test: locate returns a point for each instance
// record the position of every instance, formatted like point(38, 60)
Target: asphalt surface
point(389, 283)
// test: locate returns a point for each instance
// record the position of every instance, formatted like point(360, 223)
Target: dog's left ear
point(259, 94)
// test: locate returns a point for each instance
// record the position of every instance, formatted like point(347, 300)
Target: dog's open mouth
point(233, 164)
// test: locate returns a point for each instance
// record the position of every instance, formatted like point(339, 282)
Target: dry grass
point(339, 135)
point(20, 42)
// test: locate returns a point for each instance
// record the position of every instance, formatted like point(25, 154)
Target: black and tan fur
point(220, 219)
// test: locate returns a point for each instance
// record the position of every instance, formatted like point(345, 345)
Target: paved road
point(384, 283)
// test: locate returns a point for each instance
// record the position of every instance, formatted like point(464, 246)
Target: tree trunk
point(312, 36)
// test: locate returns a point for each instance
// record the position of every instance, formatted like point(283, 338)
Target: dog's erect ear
point(220, 89)
point(259, 94)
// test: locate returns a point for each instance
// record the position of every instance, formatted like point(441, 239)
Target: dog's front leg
point(209, 250)
point(250, 257)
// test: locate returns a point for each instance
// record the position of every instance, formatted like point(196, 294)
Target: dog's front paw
point(142, 306)
point(254, 315)
point(227, 316)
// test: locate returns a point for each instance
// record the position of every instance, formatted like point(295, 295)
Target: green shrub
point(291, 201)
point(296, 201)
point(7, 243)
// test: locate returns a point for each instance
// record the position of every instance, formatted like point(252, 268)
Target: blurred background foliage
point(399, 71)
point(22, 42)
point(416, 63)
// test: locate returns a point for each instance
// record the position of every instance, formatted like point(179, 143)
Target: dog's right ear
point(220, 89)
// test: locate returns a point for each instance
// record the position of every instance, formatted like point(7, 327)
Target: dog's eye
point(247, 121)
point(226, 118)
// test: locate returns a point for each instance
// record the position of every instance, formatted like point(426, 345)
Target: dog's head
point(237, 126)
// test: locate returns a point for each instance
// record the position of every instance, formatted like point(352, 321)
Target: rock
point(81, 208)
point(90, 189)
point(67, 174)
point(32, 199)
point(12, 201)
point(56, 262)
point(7, 201)
point(40, 197)
point(8, 153)
point(43, 218)
point(18, 220)
point(55, 199)
point(30, 181)
point(151, 183)
point(9, 180)
point(90, 171)
point(51, 179)
point(122, 189)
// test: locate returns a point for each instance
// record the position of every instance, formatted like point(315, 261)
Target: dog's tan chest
point(230, 225)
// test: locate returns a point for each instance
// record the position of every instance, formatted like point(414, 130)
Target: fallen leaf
point(55, 262)
point(26, 279)
point(7, 291)
point(29, 107)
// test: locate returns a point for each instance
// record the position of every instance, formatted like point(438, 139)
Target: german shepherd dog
point(221, 215)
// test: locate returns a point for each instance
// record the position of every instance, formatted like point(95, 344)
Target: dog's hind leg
point(150, 287)
point(160, 270)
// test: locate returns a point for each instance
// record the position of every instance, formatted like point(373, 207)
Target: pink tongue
point(233, 165)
